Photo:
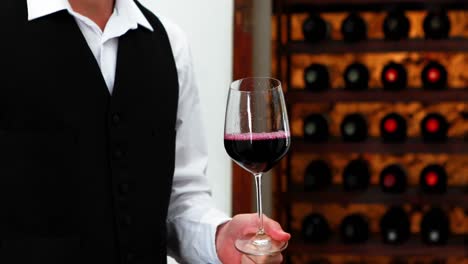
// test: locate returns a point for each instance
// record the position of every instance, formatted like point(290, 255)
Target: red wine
point(356, 176)
point(315, 29)
point(436, 25)
point(433, 179)
point(354, 229)
point(395, 226)
point(434, 76)
point(394, 77)
point(356, 77)
point(396, 25)
point(354, 128)
point(316, 128)
point(434, 128)
point(354, 28)
point(315, 229)
point(318, 176)
point(393, 128)
point(257, 152)
point(435, 227)
point(317, 78)
point(393, 179)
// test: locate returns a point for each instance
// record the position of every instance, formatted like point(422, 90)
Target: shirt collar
point(41, 8)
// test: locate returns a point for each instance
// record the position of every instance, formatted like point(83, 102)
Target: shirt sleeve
point(192, 219)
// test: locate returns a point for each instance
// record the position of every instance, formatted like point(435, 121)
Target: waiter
point(102, 158)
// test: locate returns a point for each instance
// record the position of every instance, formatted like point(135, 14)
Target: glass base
point(260, 245)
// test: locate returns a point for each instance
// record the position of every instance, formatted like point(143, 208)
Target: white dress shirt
point(192, 219)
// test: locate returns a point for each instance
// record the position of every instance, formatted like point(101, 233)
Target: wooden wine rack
point(339, 5)
point(376, 46)
point(296, 95)
point(455, 196)
point(455, 247)
point(375, 145)
point(293, 54)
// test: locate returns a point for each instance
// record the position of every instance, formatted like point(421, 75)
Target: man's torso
point(85, 176)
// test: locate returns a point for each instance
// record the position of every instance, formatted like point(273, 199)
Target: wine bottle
point(354, 28)
point(434, 76)
point(433, 179)
point(393, 128)
point(318, 176)
point(393, 179)
point(354, 229)
point(315, 229)
point(396, 25)
point(316, 128)
point(436, 25)
point(356, 176)
point(395, 226)
point(356, 77)
point(315, 28)
point(394, 77)
point(317, 78)
point(434, 128)
point(354, 128)
point(435, 227)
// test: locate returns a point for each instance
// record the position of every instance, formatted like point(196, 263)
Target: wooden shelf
point(375, 145)
point(377, 95)
point(456, 247)
point(335, 194)
point(368, 5)
point(376, 46)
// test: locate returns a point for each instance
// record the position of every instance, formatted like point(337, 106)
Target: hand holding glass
point(256, 137)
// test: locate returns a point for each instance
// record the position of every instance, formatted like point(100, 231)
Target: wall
point(208, 24)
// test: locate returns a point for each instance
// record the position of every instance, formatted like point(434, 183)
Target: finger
point(249, 230)
point(274, 229)
point(274, 259)
point(246, 224)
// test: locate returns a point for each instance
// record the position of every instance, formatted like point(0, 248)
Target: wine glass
point(256, 137)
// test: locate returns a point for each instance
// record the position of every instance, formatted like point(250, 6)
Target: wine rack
point(339, 5)
point(376, 145)
point(455, 247)
point(293, 54)
point(376, 46)
point(455, 196)
point(296, 95)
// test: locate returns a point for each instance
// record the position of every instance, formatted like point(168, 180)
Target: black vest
point(85, 176)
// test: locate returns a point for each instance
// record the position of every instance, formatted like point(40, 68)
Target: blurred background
point(378, 105)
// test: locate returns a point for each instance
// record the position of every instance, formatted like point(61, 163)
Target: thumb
point(274, 229)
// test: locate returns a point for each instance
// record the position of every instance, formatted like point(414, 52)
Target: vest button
point(116, 119)
point(127, 220)
point(130, 258)
point(118, 154)
point(124, 188)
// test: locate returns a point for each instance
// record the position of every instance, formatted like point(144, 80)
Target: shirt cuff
point(214, 218)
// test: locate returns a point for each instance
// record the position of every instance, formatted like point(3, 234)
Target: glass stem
point(258, 185)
